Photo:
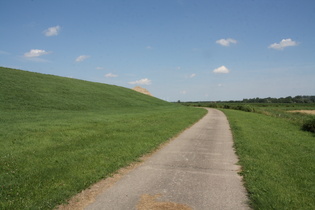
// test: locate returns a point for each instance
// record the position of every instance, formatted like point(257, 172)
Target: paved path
point(195, 171)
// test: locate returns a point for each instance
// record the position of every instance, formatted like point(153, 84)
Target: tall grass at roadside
point(309, 125)
point(277, 159)
point(60, 135)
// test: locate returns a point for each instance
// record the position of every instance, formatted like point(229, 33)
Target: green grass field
point(277, 157)
point(60, 135)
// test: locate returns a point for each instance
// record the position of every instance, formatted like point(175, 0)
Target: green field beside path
point(277, 159)
point(60, 135)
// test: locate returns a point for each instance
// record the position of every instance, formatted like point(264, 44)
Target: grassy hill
point(60, 135)
point(34, 91)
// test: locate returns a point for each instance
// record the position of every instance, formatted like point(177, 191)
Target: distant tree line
point(289, 99)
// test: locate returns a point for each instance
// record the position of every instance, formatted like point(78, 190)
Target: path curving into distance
point(197, 170)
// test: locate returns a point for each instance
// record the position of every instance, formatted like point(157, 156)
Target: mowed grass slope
point(22, 90)
point(277, 158)
point(59, 135)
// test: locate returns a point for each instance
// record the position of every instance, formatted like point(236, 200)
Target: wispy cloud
point(52, 31)
point(110, 75)
point(226, 42)
point(149, 47)
point(283, 44)
point(81, 58)
point(144, 81)
point(221, 70)
point(183, 92)
point(99, 68)
point(35, 53)
point(191, 75)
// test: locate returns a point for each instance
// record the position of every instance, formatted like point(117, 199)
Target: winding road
point(197, 170)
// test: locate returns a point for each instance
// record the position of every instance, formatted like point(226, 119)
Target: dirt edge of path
point(87, 196)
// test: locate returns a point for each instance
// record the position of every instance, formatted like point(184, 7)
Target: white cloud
point(99, 68)
point(221, 70)
point(35, 53)
point(144, 81)
point(284, 43)
point(149, 47)
point(109, 75)
point(183, 92)
point(81, 58)
point(226, 42)
point(192, 75)
point(52, 31)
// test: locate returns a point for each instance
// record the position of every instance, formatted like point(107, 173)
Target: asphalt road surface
point(197, 170)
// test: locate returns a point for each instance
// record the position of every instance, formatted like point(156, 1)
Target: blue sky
point(184, 50)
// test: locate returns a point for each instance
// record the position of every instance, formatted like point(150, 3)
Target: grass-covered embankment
point(277, 159)
point(59, 135)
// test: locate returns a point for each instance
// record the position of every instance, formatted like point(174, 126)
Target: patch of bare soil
point(304, 111)
point(142, 90)
point(149, 202)
point(87, 196)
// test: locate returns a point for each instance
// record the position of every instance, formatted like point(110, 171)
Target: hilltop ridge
point(34, 91)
